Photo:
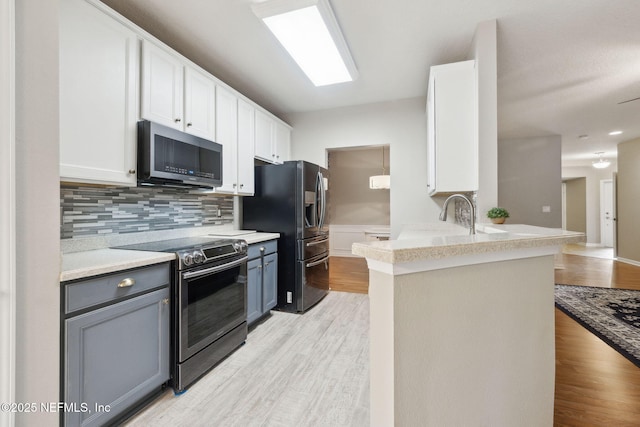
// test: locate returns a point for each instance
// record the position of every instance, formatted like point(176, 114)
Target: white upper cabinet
point(246, 147)
point(452, 129)
point(227, 135)
point(282, 143)
point(273, 139)
point(99, 71)
point(176, 95)
point(199, 103)
point(162, 87)
point(265, 129)
point(235, 131)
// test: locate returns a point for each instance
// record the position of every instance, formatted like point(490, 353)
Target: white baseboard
point(629, 261)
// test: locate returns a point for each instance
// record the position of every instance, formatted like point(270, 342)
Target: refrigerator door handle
point(323, 200)
point(317, 242)
point(323, 260)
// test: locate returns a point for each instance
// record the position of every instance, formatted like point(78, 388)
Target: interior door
point(606, 212)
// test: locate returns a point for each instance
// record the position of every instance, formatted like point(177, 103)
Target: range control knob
point(198, 257)
point(187, 259)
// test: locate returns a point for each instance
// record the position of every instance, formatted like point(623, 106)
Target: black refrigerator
point(291, 199)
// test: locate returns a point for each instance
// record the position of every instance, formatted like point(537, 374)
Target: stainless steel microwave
point(169, 157)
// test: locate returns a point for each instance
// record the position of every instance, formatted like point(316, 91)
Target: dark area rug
point(611, 314)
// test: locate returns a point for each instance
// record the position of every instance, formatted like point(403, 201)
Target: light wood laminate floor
point(294, 370)
point(313, 370)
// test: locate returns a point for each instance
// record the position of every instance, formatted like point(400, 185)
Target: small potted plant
point(497, 215)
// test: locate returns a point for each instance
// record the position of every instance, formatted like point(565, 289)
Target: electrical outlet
point(546, 209)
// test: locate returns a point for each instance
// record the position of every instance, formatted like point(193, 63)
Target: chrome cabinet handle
point(165, 301)
point(127, 283)
point(178, 120)
point(132, 171)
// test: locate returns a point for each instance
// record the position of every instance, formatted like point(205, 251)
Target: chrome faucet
point(443, 214)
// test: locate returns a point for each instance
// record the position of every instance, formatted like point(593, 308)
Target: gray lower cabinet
point(262, 286)
point(116, 355)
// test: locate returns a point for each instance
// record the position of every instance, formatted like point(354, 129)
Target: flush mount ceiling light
point(380, 182)
point(309, 31)
point(601, 163)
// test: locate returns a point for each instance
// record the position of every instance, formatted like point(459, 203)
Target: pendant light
point(601, 163)
point(380, 182)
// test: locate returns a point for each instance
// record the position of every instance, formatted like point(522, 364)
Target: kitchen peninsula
point(462, 326)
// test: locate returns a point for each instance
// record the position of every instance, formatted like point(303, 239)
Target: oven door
point(213, 301)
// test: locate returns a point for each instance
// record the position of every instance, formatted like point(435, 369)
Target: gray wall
point(576, 195)
point(351, 200)
point(37, 209)
point(529, 177)
point(628, 209)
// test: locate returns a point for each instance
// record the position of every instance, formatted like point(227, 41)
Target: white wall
point(593, 177)
point(484, 51)
point(399, 124)
point(37, 209)
point(7, 211)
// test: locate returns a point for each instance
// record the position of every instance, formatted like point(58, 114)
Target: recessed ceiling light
point(309, 31)
point(585, 136)
point(615, 132)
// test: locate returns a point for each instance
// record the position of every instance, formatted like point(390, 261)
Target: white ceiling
point(563, 66)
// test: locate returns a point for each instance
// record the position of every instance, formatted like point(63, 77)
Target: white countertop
point(79, 265)
point(438, 240)
point(250, 236)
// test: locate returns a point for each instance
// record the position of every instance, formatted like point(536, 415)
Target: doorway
point(575, 204)
point(357, 212)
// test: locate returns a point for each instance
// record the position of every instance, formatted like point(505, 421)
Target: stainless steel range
point(209, 302)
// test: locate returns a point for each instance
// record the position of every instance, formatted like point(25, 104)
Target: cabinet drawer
point(269, 247)
point(103, 289)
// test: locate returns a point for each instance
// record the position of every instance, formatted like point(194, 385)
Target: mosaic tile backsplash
point(91, 211)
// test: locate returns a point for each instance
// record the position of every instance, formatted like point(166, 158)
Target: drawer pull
point(165, 301)
point(126, 283)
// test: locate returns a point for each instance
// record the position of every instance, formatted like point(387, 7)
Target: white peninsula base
point(468, 343)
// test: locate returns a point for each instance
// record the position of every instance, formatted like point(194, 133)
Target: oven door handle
point(192, 274)
point(313, 264)
point(317, 242)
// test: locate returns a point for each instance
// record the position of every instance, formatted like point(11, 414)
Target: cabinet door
point(199, 104)
point(246, 148)
point(265, 129)
point(270, 282)
point(227, 135)
point(453, 133)
point(254, 290)
point(116, 356)
point(162, 87)
point(98, 96)
point(283, 143)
